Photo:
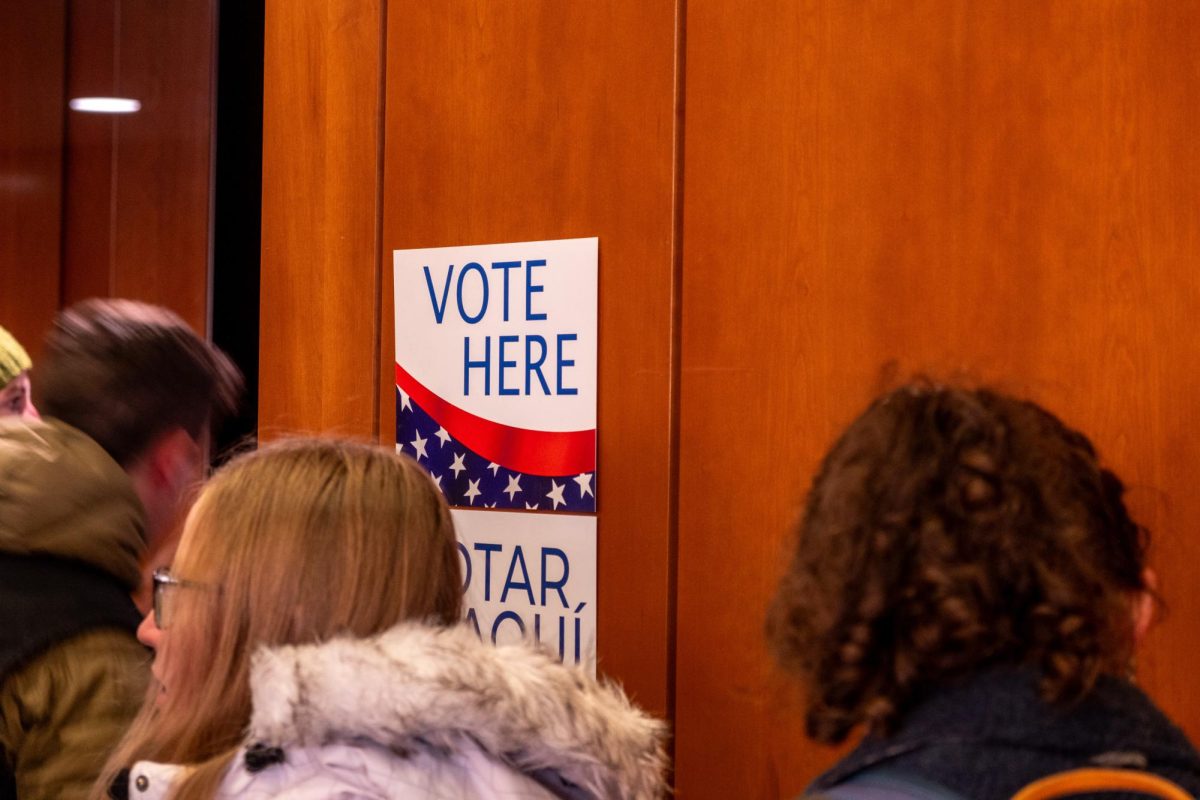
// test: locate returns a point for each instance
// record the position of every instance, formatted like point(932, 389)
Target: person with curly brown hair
point(969, 588)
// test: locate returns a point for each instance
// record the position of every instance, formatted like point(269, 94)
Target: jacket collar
point(1003, 708)
point(417, 686)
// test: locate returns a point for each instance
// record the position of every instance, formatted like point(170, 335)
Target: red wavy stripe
point(517, 449)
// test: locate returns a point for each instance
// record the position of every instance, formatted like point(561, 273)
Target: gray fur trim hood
point(420, 687)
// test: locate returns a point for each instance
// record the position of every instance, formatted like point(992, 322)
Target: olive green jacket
point(61, 713)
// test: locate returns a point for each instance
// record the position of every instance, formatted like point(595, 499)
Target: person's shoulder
point(103, 649)
point(102, 659)
point(64, 710)
point(885, 783)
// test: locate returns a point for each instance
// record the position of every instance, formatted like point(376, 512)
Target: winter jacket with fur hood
point(431, 713)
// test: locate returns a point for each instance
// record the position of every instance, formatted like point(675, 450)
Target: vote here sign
point(496, 356)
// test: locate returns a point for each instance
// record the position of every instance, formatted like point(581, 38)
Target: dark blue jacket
point(988, 737)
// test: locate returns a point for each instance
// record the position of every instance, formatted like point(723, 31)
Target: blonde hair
point(299, 542)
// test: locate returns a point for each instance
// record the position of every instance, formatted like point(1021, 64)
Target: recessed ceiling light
point(105, 105)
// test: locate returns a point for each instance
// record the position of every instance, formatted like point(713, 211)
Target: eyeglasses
point(164, 581)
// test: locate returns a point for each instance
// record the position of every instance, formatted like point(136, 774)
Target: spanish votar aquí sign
point(496, 356)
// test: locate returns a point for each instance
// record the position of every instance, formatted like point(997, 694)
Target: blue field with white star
point(469, 480)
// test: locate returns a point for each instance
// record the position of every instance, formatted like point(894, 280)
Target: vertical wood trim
point(321, 205)
point(383, 379)
point(676, 358)
point(88, 161)
point(214, 31)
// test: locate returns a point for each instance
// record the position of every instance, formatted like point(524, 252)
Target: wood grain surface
point(322, 114)
point(137, 187)
point(163, 191)
point(549, 120)
point(997, 191)
point(1000, 192)
point(89, 153)
point(32, 58)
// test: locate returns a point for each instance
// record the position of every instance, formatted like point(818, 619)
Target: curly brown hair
point(950, 530)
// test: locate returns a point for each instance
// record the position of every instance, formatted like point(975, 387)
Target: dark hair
point(125, 373)
point(949, 530)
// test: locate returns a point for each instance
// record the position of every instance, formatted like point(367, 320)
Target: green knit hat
point(13, 358)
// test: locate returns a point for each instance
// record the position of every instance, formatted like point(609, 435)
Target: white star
point(399, 447)
point(418, 445)
point(493, 466)
point(444, 435)
point(531, 506)
point(514, 486)
point(489, 505)
point(437, 479)
point(458, 465)
point(405, 400)
point(556, 495)
point(585, 484)
point(472, 492)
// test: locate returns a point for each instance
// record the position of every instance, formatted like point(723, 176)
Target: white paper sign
point(496, 371)
point(496, 358)
point(533, 576)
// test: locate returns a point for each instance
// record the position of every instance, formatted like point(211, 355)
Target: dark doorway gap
point(237, 207)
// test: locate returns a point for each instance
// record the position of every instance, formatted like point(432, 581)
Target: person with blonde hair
point(308, 644)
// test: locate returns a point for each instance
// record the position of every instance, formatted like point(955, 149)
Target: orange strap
point(1077, 781)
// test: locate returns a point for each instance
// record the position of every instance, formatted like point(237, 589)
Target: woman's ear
point(1145, 605)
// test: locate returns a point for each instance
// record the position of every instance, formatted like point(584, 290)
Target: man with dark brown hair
point(128, 394)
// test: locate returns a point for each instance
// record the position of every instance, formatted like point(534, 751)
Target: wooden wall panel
point(163, 193)
point(319, 327)
point(1003, 191)
point(137, 219)
point(546, 120)
point(32, 45)
point(88, 156)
